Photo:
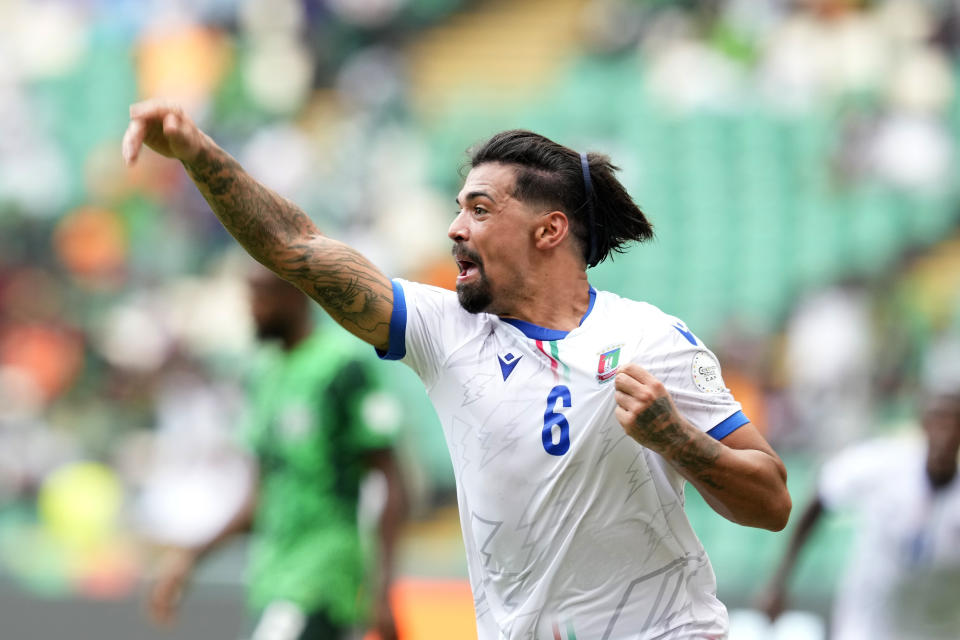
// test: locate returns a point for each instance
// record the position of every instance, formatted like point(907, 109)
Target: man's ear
point(552, 230)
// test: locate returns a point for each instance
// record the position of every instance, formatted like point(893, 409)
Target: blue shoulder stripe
point(728, 426)
point(398, 326)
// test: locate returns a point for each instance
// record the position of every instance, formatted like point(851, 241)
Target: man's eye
point(479, 211)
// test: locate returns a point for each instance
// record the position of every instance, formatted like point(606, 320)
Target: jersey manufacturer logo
point(686, 333)
point(507, 364)
point(609, 365)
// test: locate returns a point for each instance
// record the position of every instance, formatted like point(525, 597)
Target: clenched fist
point(643, 404)
point(647, 414)
point(165, 128)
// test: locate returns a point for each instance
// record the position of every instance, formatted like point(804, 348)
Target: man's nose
point(458, 230)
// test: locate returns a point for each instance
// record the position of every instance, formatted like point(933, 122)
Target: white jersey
point(572, 529)
point(903, 581)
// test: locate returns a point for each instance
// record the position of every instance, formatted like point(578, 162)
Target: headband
point(588, 188)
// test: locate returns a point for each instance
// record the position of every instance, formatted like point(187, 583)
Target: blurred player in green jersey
point(319, 419)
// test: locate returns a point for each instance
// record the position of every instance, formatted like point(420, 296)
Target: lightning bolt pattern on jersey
point(572, 529)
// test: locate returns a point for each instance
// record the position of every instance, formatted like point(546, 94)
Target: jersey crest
point(609, 365)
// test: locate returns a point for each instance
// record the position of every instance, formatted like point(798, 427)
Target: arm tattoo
point(660, 428)
point(284, 238)
point(352, 291)
point(258, 218)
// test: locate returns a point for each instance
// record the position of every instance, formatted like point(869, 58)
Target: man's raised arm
point(271, 228)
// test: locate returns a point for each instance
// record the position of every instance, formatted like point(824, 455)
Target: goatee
point(476, 297)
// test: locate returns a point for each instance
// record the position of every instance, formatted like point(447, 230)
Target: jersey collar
point(536, 332)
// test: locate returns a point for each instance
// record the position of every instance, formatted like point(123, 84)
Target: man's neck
point(558, 304)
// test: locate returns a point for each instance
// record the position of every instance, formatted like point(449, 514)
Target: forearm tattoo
point(352, 291)
point(281, 236)
point(659, 428)
point(258, 218)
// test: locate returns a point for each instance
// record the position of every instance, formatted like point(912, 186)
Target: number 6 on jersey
point(553, 419)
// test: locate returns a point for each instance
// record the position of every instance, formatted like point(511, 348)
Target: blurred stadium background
point(799, 161)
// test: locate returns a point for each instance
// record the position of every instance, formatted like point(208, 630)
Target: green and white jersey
point(572, 529)
point(315, 412)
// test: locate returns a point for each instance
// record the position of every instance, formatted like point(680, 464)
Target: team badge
point(609, 365)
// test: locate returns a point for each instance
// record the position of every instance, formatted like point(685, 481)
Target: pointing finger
point(155, 107)
point(171, 124)
point(180, 135)
point(132, 140)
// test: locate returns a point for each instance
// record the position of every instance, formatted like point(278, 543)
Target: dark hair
point(551, 175)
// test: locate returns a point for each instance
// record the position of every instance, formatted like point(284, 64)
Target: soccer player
point(319, 419)
point(903, 580)
point(573, 416)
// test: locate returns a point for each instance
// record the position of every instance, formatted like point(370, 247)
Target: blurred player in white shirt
point(903, 580)
point(573, 417)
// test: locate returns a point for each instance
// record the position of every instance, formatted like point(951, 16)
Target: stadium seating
point(748, 205)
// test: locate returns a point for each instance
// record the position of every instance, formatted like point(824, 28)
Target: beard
point(475, 297)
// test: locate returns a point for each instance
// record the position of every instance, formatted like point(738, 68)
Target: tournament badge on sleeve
point(609, 365)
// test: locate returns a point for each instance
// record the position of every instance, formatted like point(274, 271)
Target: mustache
point(460, 252)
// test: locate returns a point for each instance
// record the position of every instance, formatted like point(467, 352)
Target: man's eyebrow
point(477, 194)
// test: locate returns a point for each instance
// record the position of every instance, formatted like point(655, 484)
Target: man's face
point(941, 423)
point(492, 236)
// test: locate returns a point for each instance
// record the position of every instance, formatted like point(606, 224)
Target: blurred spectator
point(318, 419)
point(196, 479)
point(904, 578)
point(829, 360)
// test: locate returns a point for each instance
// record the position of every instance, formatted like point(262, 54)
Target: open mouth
point(468, 268)
point(467, 262)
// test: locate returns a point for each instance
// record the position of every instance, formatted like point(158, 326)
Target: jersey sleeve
point(425, 325)
point(691, 374)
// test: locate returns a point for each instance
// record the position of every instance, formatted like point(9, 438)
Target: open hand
point(165, 128)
